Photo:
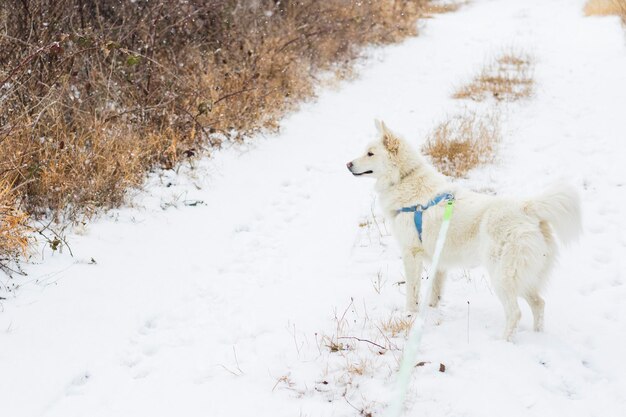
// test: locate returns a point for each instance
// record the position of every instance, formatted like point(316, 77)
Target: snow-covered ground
point(228, 307)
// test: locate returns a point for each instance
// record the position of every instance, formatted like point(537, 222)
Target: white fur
point(512, 238)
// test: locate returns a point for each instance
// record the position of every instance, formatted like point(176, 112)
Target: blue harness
point(419, 209)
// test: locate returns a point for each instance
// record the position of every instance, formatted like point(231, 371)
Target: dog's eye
point(370, 154)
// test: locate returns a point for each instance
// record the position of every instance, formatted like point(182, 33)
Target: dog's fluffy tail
point(559, 206)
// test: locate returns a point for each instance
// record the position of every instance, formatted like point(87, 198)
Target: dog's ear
point(390, 142)
point(379, 126)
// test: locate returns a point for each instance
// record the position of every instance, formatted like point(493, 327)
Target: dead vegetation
point(95, 94)
point(606, 8)
point(434, 8)
point(358, 348)
point(397, 326)
point(507, 78)
point(13, 228)
point(463, 142)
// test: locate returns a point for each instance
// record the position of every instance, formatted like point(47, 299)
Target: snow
point(225, 308)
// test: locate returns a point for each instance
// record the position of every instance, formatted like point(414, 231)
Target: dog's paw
point(434, 301)
point(507, 336)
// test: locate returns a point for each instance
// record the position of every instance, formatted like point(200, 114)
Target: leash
point(417, 329)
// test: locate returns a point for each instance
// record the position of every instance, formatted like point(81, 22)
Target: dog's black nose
point(349, 165)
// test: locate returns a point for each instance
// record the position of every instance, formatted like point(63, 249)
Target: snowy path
point(219, 309)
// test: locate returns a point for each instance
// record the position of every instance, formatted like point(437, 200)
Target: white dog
point(511, 238)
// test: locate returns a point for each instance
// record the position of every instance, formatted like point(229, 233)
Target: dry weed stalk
point(463, 142)
point(507, 78)
point(379, 282)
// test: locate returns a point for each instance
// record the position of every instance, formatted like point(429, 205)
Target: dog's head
point(382, 159)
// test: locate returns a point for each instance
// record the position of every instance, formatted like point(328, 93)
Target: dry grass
point(95, 94)
point(463, 142)
point(606, 8)
point(507, 78)
point(333, 344)
point(360, 367)
point(397, 326)
point(431, 9)
point(13, 229)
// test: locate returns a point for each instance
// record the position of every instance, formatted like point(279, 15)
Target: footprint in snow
point(602, 257)
point(148, 327)
point(242, 228)
point(142, 348)
point(76, 386)
point(150, 350)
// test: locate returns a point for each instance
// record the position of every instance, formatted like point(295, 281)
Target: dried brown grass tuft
point(359, 368)
point(606, 8)
point(442, 7)
point(463, 142)
point(13, 228)
point(507, 78)
point(396, 326)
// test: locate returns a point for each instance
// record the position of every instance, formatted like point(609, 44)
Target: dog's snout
point(349, 165)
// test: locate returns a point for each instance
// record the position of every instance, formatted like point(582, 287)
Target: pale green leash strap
point(415, 336)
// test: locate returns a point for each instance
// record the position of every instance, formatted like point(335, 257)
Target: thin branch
point(26, 61)
point(243, 90)
point(362, 340)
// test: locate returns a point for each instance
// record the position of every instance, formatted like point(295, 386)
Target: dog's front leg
point(435, 292)
point(412, 259)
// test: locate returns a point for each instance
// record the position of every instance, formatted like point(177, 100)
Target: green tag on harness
point(448, 213)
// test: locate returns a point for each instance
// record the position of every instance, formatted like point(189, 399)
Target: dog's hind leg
point(532, 296)
point(536, 304)
point(412, 259)
point(435, 292)
point(512, 312)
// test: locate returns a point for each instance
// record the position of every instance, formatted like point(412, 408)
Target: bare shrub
point(507, 78)
point(463, 142)
point(95, 94)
